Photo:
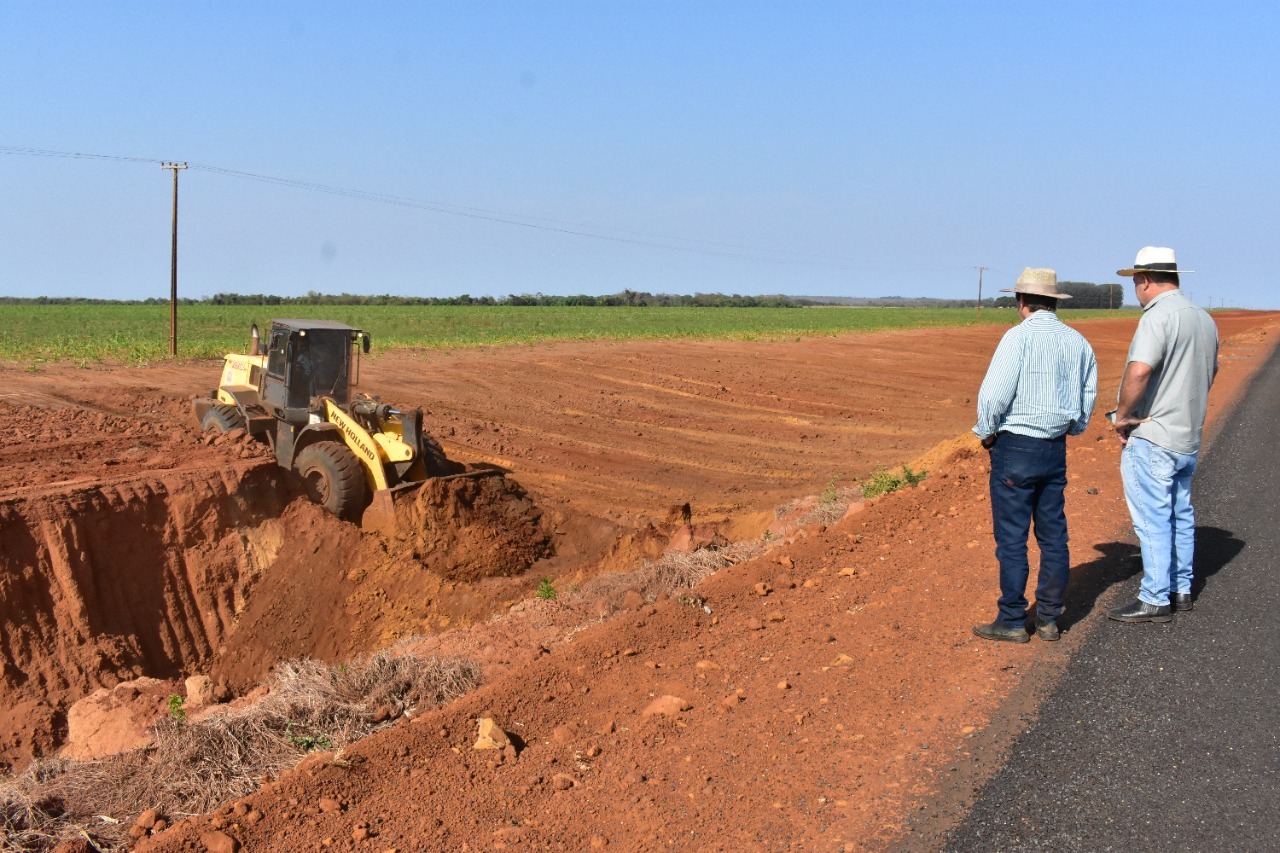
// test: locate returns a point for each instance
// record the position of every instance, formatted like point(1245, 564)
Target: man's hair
point(1037, 302)
point(1162, 277)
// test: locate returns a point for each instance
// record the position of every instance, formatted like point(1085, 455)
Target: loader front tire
point(434, 460)
point(222, 418)
point(333, 477)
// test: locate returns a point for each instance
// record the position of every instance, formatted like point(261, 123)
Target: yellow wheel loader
point(354, 455)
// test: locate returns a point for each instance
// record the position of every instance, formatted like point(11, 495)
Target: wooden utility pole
point(980, 271)
point(173, 264)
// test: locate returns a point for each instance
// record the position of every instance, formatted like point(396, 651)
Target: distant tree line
point(85, 300)
point(1083, 295)
point(630, 298)
point(893, 301)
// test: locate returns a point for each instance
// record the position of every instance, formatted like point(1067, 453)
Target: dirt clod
point(219, 842)
point(491, 736)
point(666, 706)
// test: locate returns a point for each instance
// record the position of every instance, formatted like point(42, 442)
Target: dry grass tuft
point(676, 572)
point(831, 507)
point(671, 573)
point(195, 766)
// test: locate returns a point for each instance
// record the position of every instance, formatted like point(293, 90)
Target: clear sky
point(806, 148)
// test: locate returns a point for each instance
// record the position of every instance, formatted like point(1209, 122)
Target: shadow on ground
point(1117, 562)
point(1215, 549)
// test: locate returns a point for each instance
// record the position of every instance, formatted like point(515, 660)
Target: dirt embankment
point(84, 606)
point(818, 711)
point(226, 572)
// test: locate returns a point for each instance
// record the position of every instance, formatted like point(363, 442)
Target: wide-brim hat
point(1039, 281)
point(1154, 259)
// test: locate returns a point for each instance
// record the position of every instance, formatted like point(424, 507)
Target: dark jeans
point(1027, 479)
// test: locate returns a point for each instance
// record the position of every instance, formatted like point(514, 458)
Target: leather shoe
point(1182, 602)
point(999, 631)
point(1047, 631)
point(1139, 611)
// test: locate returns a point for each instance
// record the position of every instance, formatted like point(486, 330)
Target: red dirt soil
point(818, 715)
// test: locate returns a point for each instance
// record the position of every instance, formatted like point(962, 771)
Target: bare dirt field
point(824, 691)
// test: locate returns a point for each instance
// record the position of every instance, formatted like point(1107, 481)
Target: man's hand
point(1132, 386)
point(990, 441)
point(1125, 425)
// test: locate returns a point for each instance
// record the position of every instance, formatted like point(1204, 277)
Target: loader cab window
point(276, 352)
point(320, 362)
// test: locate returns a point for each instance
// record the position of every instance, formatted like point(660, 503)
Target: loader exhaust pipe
point(255, 347)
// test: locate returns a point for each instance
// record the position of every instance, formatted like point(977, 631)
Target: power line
point(515, 219)
point(765, 254)
point(703, 247)
point(40, 152)
point(556, 225)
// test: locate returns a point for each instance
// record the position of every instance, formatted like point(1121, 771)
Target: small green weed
point(177, 713)
point(884, 481)
point(307, 743)
point(546, 590)
point(830, 494)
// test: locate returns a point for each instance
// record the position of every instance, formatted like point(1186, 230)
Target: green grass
point(138, 334)
point(884, 481)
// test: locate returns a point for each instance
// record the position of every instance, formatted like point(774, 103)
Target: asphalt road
point(1167, 737)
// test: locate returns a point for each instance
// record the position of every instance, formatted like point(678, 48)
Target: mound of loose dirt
point(470, 528)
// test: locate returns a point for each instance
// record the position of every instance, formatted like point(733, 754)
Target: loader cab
point(307, 359)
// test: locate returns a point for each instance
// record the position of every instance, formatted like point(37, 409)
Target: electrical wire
point(637, 238)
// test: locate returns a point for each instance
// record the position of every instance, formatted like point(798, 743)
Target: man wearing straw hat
point(1039, 388)
point(1159, 419)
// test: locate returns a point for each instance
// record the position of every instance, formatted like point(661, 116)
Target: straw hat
point(1039, 281)
point(1154, 259)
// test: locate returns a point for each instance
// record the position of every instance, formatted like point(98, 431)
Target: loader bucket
point(381, 517)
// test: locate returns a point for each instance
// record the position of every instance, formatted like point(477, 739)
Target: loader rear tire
point(333, 477)
point(222, 418)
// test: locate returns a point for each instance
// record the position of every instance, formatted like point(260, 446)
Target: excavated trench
point(224, 573)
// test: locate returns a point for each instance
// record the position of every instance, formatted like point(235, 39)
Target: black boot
point(1182, 602)
point(999, 631)
point(1140, 611)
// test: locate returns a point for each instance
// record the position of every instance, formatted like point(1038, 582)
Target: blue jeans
point(1027, 479)
point(1157, 487)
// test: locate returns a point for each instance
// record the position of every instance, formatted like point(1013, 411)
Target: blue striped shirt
point(1042, 381)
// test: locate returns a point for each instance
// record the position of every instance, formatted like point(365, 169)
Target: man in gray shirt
point(1159, 419)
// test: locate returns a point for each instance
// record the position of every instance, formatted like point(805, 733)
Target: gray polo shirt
point(1180, 343)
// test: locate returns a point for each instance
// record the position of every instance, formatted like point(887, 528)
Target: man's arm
point(999, 387)
point(1134, 384)
point(1088, 394)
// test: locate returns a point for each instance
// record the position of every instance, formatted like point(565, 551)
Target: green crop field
point(138, 334)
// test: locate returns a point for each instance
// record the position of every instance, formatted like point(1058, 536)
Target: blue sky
point(850, 149)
